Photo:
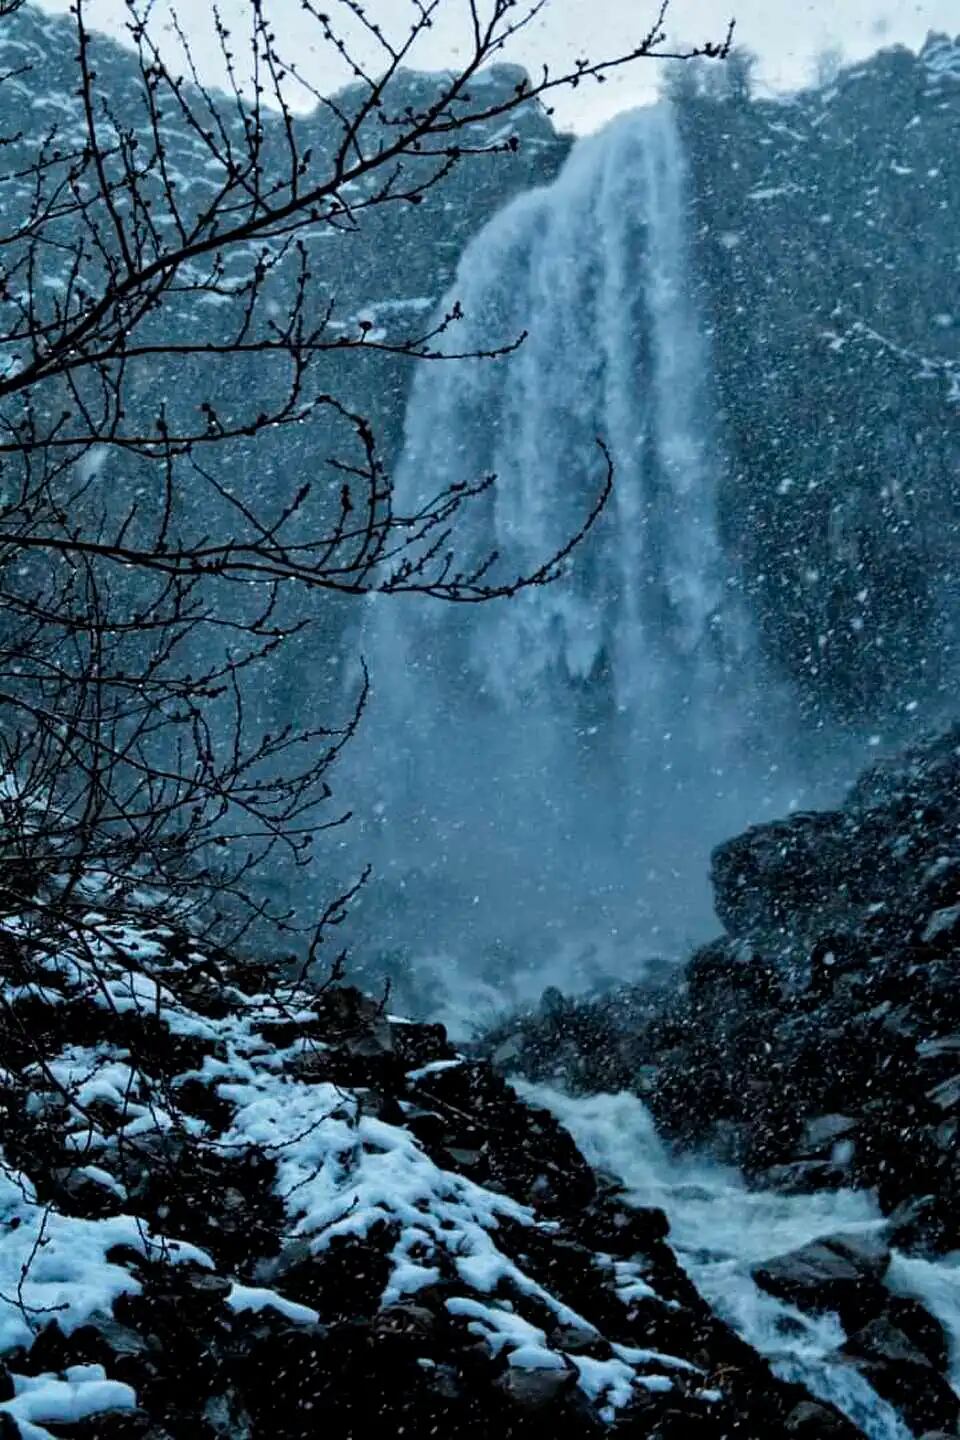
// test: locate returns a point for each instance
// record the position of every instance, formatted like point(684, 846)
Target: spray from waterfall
point(545, 776)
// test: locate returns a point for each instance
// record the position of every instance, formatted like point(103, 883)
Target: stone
point(802, 1177)
point(537, 1389)
point(923, 1330)
point(946, 1096)
point(576, 1340)
point(507, 1052)
point(810, 1421)
point(621, 1228)
point(944, 1046)
point(841, 1272)
point(868, 1250)
point(925, 1399)
point(775, 873)
point(415, 1322)
point(464, 1159)
point(822, 1132)
point(918, 1226)
point(881, 1339)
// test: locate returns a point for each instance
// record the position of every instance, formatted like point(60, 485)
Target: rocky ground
point(815, 1045)
point(237, 1207)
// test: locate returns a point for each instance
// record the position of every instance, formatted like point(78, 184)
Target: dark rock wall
point(826, 236)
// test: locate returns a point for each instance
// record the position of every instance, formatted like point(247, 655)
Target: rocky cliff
point(826, 240)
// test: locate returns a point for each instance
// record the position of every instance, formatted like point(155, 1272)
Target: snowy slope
point(217, 1181)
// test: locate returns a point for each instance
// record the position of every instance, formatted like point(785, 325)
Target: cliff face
point(826, 237)
point(816, 1043)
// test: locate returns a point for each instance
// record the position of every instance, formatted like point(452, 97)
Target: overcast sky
point(786, 34)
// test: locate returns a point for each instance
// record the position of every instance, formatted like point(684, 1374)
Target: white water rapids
point(721, 1229)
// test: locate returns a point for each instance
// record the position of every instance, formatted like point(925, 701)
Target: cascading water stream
point(546, 775)
point(721, 1230)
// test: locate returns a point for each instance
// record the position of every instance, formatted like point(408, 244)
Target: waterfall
point(595, 270)
point(546, 775)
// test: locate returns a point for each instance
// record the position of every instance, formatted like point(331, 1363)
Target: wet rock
point(51, 1351)
point(882, 1340)
point(83, 1195)
point(924, 1398)
point(577, 1340)
point(418, 1045)
point(923, 1330)
point(197, 1098)
point(767, 878)
point(344, 1280)
point(946, 1096)
point(922, 1226)
point(537, 1390)
point(416, 1323)
point(843, 1273)
point(273, 1350)
point(802, 1177)
point(823, 1131)
point(904, 1354)
point(810, 1421)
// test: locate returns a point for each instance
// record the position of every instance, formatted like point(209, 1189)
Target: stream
point(721, 1229)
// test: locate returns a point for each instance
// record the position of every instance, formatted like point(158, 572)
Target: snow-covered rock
point(231, 1201)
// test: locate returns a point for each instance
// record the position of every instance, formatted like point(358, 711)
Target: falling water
point(547, 774)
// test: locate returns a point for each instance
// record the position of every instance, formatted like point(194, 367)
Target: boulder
point(810, 1421)
point(925, 1225)
point(924, 1331)
point(843, 1273)
point(904, 1368)
point(538, 1389)
point(776, 875)
point(821, 1134)
point(914, 1389)
point(884, 1341)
